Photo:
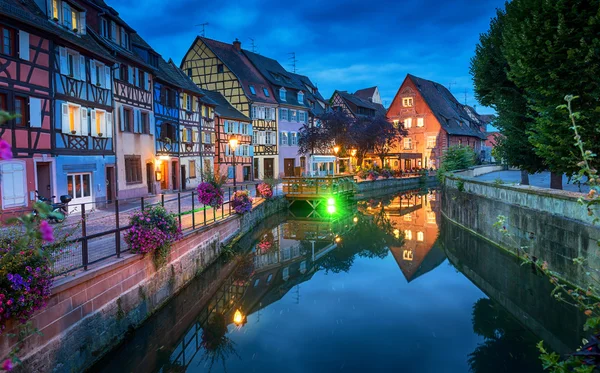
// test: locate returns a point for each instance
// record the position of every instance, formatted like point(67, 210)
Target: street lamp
point(336, 149)
point(233, 144)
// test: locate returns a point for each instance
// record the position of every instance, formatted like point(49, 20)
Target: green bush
point(457, 157)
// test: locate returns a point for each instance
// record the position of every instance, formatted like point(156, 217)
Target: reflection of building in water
point(415, 216)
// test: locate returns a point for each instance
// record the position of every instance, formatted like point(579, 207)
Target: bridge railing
point(319, 186)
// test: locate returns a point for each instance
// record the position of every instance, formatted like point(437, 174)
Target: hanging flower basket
point(241, 202)
point(386, 173)
point(210, 194)
point(265, 190)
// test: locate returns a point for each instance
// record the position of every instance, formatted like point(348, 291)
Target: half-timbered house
point(132, 91)
point(25, 73)
point(231, 122)
point(434, 120)
point(293, 109)
point(197, 130)
point(217, 66)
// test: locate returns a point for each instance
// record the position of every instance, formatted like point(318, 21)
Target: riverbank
point(90, 313)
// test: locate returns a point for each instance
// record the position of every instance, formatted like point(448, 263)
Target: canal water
point(387, 285)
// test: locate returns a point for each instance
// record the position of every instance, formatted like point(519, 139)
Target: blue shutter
point(250, 128)
point(230, 172)
point(289, 138)
point(236, 127)
point(252, 150)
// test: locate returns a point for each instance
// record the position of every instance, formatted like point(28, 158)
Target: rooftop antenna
point(253, 45)
point(203, 25)
point(466, 96)
point(450, 86)
point(293, 61)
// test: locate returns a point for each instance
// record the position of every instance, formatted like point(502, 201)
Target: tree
point(457, 157)
point(552, 49)
point(385, 135)
point(312, 140)
point(334, 128)
point(489, 69)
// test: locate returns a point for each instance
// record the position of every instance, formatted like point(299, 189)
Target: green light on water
point(330, 201)
point(331, 209)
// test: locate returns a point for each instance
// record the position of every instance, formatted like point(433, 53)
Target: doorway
point(256, 169)
point(110, 184)
point(183, 177)
point(150, 177)
point(164, 182)
point(44, 179)
point(174, 175)
point(268, 164)
point(288, 166)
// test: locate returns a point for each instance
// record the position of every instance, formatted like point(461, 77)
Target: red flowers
point(5, 150)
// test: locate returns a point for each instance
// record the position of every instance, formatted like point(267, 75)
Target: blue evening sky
point(339, 44)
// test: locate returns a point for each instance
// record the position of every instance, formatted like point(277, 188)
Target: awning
point(323, 158)
point(411, 156)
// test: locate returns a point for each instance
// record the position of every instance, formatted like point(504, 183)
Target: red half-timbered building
point(25, 57)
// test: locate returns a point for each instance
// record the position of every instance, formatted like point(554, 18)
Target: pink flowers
point(210, 194)
point(5, 151)
point(241, 202)
point(265, 190)
point(46, 231)
point(152, 230)
point(7, 365)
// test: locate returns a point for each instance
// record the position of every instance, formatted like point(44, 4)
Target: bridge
point(317, 190)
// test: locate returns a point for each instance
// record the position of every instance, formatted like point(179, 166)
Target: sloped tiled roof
point(224, 108)
point(187, 83)
point(366, 93)
point(449, 112)
point(243, 69)
point(28, 12)
point(359, 102)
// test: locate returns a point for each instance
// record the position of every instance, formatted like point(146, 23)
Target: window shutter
point(81, 75)
point(35, 112)
point(84, 123)
point(81, 28)
point(93, 123)
point(64, 67)
point(226, 125)
point(281, 138)
point(250, 128)
point(195, 135)
point(14, 183)
point(251, 151)
point(130, 73)
point(289, 138)
point(213, 138)
point(148, 82)
point(109, 124)
point(66, 124)
point(93, 78)
point(136, 79)
point(151, 119)
point(107, 78)
point(230, 172)
point(227, 150)
point(121, 119)
point(24, 45)
point(136, 121)
point(113, 30)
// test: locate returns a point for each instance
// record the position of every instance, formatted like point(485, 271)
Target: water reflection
point(322, 293)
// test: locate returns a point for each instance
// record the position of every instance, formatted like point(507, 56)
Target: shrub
point(373, 175)
point(386, 173)
point(265, 190)
point(152, 232)
point(241, 202)
point(457, 157)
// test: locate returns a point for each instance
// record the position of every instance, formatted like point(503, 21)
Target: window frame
point(192, 169)
point(23, 120)
point(12, 39)
point(429, 142)
point(252, 89)
point(408, 102)
point(133, 176)
point(220, 68)
point(128, 119)
point(407, 143)
point(266, 92)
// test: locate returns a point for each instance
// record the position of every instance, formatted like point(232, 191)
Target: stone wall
point(548, 224)
point(91, 312)
point(392, 184)
point(480, 170)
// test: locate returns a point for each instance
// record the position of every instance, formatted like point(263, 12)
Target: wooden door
point(174, 182)
point(256, 169)
point(183, 177)
point(44, 179)
point(288, 166)
point(150, 176)
point(110, 184)
point(268, 164)
point(164, 183)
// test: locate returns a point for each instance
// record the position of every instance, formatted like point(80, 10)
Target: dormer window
point(68, 16)
point(301, 97)
point(282, 94)
point(252, 90)
point(407, 102)
point(104, 28)
point(124, 39)
point(266, 92)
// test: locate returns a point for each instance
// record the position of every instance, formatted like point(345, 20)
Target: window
point(207, 138)
point(7, 46)
point(431, 141)
point(408, 234)
point(21, 111)
point(220, 68)
point(3, 102)
point(124, 38)
point(408, 123)
point(189, 72)
point(188, 102)
point(104, 29)
point(79, 185)
point(407, 255)
point(141, 79)
point(283, 138)
point(269, 138)
point(431, 217)
point(192, 169)
point(408, 217)
point(145, 118)
point(101, 123)
point(74, 119)
point(252, 90)
point(14, 184)
point(420, 236)
point(396, 122)
point(407, 102)
point(245, 128)
point(124, 72)
point(133, 169)
point(127, 119)
point(266, 92)
point(301, 98)
point(55, 10)
point(113, 30)
point(293, 116)
point(100, 74)
point(187, 135)
point(282, 94)
point(294, 138)
point(420, 122)
point(302, 116)
point(407, 143)
point(283, 114)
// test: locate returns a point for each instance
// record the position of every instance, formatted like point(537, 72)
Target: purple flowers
point(152, 230)
point(5, 151)
point(46, 231)
point(7, 365)
point(209, 194)
point(241, 202)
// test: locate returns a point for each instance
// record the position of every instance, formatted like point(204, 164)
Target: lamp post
point(336, 149)
point(233, 144)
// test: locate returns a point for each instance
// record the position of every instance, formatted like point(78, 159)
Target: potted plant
point(241, 202)
point(75, 29)
point(100, 134)
point(209, 191)
point(73, 132)
point(55, 19)
point(265, 190)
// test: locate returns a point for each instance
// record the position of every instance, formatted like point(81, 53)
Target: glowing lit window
point(407, 255)
point(431, 217)
point(408, 235)
point(408, 123)
point(408, 217)
point(420, 236)
point(420, 122)
point(407, 102)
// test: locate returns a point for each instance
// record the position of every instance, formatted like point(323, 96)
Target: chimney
point(237, 45)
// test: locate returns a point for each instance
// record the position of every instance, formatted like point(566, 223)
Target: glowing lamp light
point(330, 201)
point(233, 142)
point(336, 149)
point(158, 175)
point(338, 239)
point(353, 152)
point(397, 233)
point(238, 317)
point(355, 219)
point(331, 209)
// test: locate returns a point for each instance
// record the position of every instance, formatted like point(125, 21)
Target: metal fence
point(94, 234)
